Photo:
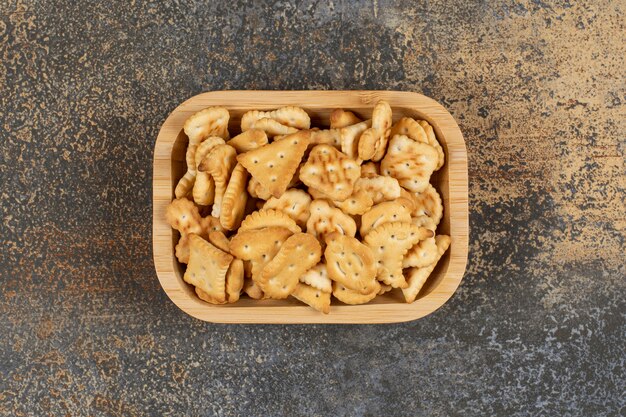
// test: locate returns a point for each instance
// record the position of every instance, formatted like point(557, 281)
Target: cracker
point(208, 298)
point(355, 205)
point(253, 290)
point(269, 218)
point(373, 141)
point(390, 242)
point(348, 296)
point(432, 141)
point(350, 138)
point(288, 116)
point(428, 203)
point(313, 297)
point(424, 221)
point(210, 224)
point(384, 288)
point(411, 128)
point(235, 199)
point(256, 190)
point(416, 277)
point(219, 240)
point(207, 268)
point(410, 162)
point(421, 254)
point(295, 203)
point(381, 213)
point(212, 121)
point(273, 128)
point(341, 118)
point(259, 246)
point(326, 219)
point(249, 140)
point(331, 172)
point(182, 249)
point(326, 137)
point(185, 184)
point(317, 277)
point(234, 280)
point(298, 254)
point(204, 186)
point(407, 199)
point(274, 165)
point(350, 263)
point(370, 169)
point(379, 188)
point(183, 215)
point(220, 163)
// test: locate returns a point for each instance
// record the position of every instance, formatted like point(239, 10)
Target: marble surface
point(537, 327)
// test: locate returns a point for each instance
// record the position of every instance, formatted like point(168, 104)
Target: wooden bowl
point(450, 181)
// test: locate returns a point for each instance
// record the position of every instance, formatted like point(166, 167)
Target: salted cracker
point(289, 116)
point(341, 118)
point(350, 263)
point(350, 139)
point(269, 218)
point(207, 268)
point(204, 185)
point(220, 163)
point(432, 141)
point(294, 202)
point(326, 219)
point(348, 296)
point(314, 297)
point(235, 199)
point(317, 277)
point(410, 162)
point(331, 172)
point(249, 140)
point(416, 277)
point(428, 203)
point(381, 213)
point(373, 141)
point(273, 128)
point(212, 121)
point(422, 254)
point(379, 188)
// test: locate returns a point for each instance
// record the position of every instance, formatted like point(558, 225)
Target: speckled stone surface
point(537, 327)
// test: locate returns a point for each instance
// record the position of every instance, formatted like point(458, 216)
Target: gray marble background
point(537, 327)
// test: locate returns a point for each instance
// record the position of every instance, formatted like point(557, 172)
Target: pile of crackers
point(286, 210)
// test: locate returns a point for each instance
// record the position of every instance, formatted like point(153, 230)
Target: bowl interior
point(319, 118)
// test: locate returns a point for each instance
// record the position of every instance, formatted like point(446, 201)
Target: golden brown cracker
point(183, 215)
point(274, 165)
point(350, 263)
point(424, 221)
point(235, 199)
point(219, 162)
point(253, 290)
point(207, 268)
point(234, 280)
point(341, 118)
point(325, 137)
point(212, 121)
point(422, 254)
point(410, 162)
point(269, 218)
point(317, 277)
point(407, 199)
point(298, 254)
point(185, 184)
point(326, 219)
point(348, 296)
point(204, 186)
point(313, 297)
point(259, 246)
point(381, 213)
point(390, 242)
point(273, 128)
point(295, 203)
point(373, 141)
point(219, 240)
point(350, 139)
point(379, 188)
point(289, 116)
point(411, 128)
point(249, 140)
point(428, 203)
point(370, 169)
point(432, 141)
point(331, 172)
point(416, 277)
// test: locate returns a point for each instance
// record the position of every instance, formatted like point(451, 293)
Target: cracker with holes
point(207, 268)
point(204, 185)
point(269, 218)
point(311, 296)
point(416, 277)
point(350, 263)
point(298, 254)
point(183, 215)
point(373, 141)
point(212, 121)
point(390, 242)
point(317, 277)
point(379, 188)
point(358, 203)
point(274, 165)
point(411, 128)
point(432, 141)
point(381, 213)
point(249, 140)
point(327, 219)
point(208, 225)
point(273, 128)
point(341, 118)
point(235, 199)
point(407, 199)
point(410, 162)
point(185, 184)
point(422, 254)
point(424, 221)
point(325, 137)
point(295, 203)
point(220, 163)
point(259, 246)
point(350, 136)
point(348, 296)
point(288, 116)
point(428, 203)
point(331, 172)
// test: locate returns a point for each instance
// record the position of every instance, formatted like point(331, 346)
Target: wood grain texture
point(451, 181)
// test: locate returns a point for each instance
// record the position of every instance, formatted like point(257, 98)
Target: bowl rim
point(271, 311)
